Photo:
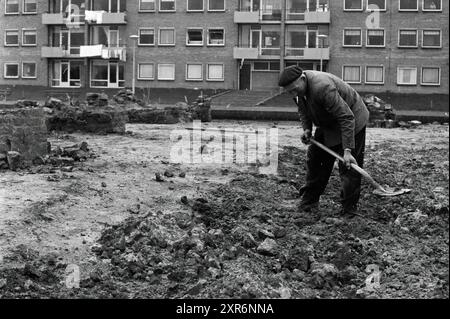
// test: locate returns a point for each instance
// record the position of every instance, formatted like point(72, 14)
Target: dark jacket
point(334, 106)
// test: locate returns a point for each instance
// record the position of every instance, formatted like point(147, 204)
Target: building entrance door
point(245, 77)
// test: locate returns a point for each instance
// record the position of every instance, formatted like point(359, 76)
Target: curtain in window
point(146, 71)
point(374, 74)
point(430, 75)
point(166, 36)
point(352, 74)
point(166, 71)
point(215, 71)
point(194, 71)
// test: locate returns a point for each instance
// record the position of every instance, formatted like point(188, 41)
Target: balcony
point(52, 18)
point(246, 17)
point(245, 53)
point(317, 17)
point(101, 51)
point(308, 53)
point(59, 52)
point(101, 17)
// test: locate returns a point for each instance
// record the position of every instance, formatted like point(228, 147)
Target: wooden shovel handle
point(355, 167)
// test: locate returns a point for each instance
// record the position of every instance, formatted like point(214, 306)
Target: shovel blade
point(389, 192)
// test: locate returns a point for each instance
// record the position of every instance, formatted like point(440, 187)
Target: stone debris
point(268, 247)
point(97, 99)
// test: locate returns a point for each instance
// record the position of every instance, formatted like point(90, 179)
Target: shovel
point(379, 190)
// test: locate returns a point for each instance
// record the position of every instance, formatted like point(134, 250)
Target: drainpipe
point(86, 42)
point(283, 34)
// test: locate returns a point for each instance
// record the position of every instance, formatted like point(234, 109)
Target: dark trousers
point(320, 165)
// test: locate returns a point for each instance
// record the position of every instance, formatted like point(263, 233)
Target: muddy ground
point(224, 231)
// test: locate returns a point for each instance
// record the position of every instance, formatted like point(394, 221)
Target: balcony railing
point(62, 18)
point(308, 53)
point(59, 52)
point(321, 15)
point(104, 52)
point(102, 17)
point(265, 53)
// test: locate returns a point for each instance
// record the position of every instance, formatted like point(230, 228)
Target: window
point(11, 6)
point(351, 74)
point(375, 75)
point(194, 5)
point(28, 70)
point(352, 37)
point(432, 5)
point(146, 36)
point(11, 70)
point(166, 5)
point(216, 37)
point(12, 38)
point(266, 66)
point(408, 5)
point(431, 38)
point(353, 5)
point(215, 72)
point(194, 72)
point(146, 5)
point(28, 37)
point(376, 5)
point(375, 38)
point(194, 37)
point(166, 72)
point(431, 76)
point(29, 6)
point(216, 5)
point(146, 71)
point(407, 38)
point(166, 36)
point(406, 75)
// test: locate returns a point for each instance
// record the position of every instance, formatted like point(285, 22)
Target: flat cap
point(289, 75)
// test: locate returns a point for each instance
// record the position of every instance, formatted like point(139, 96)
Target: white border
point(430, 84)
point(223, 72)
point(197, 10)
point(195, 44)
point(430, 10)
point(372, 10)
point(139, 71)
point(408, 46)
point(376, 46)
point(431, 47)
point(29, 45)
point(174, 37)
point(352, 46)
point(408, 10)
point(18, 38)
point(194, 80)
point(350, 10)
point(145, 44)
point(11, 63)
point(141, 10)
point(220, 10)
point(215, 45)
point(23, 8)
point(35, 70)
point(374, 83)
point(360, 73)
point(160, 64)
point(406, 67)
point(174, 6)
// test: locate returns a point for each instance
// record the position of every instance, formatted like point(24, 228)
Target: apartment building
point(393, 46)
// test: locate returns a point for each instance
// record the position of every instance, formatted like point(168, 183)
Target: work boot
point(348, 212)
point(308, 207)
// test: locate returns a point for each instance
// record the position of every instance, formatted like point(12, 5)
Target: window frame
point(215, 10)
point(360, 73)
point(348, 45)
point(23, 36)
point(196, 10)
point(139, 71)
point(408, 10)
point(174, 37)
point(408, 46)
point(202, 71)
point(406, 67)
point(12, 13)
point(145, 44)
point(354, 10)
point(432, 47)
point(33, 12)
point(374, 83)
point(215, 45)
point(35, 70)
point(174, 74)
point(5, 64)
point(376, 46)
point(172, 10)
point(431, 10)
point(207, 72)
point(430, 67)
point(141, 10)
point(373, 10)
point(18, 38)
point(195, 44)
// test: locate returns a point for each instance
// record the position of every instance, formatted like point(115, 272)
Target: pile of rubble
point(26, 103)
point(97, 99)
point(381, 113)
point(126, 96)
point(54, 104)
point(10, 160)
point(201, 109)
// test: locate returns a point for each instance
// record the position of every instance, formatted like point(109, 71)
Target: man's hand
point(348, 158)
point(306, 137)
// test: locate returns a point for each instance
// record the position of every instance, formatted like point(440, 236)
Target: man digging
point(340, 117)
